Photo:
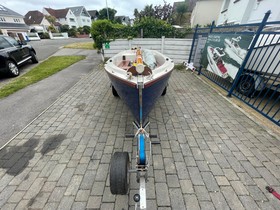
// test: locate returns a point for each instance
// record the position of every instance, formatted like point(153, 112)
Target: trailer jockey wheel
point(119, 178)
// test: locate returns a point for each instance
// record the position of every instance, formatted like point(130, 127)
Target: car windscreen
point(4, 44)
point(12, 41)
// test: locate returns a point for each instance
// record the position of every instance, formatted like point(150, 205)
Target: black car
point(13, 54)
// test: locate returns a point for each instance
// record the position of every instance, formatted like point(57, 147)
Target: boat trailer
point(120, 164)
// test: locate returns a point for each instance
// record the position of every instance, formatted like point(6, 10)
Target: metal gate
point(257, 82)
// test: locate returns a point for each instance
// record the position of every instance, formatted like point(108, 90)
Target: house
point(205, 11)
point(12, 23)
point(63, 16)
point(37, 20)
point(93, 14)
point(249, 11)
point(82, 16)
point(125, 20)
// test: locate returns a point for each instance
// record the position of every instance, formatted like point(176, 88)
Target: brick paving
point(211, 155)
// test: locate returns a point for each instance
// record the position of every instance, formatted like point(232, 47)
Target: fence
point(176, 49)
point(257, 81)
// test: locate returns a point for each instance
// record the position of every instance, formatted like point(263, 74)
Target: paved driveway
point(211, 155)
point(20, 108)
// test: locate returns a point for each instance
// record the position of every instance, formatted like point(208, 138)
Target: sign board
point(107, 45)
point(223, 54)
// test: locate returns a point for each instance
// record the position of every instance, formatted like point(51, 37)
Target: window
point(2, 19)
point(12, 41)
point(4, 44)
point(16, 20)
point(226, 4)
point(84, 20)
point(72, 19)
point(2, 8)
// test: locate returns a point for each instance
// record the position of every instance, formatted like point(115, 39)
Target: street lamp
point(107, 10)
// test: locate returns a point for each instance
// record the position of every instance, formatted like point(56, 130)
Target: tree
point(159, 12)
point(181, 10)
point(51, 19)
point(101, 32)
point(163, 12)
point(147, 12)
point(103, 14)
point(52, 29)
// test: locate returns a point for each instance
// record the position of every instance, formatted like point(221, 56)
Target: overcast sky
point(123, 7)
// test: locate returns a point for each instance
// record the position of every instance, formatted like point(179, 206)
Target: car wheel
point(34, 58)
point(246, 85)
point(12, 68)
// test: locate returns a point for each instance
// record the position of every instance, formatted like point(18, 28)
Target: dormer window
point(2, 8)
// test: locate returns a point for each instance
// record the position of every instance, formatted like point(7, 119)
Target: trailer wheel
point(119, 178)
point(246, 85)
point(115, 93)
point(164, 91)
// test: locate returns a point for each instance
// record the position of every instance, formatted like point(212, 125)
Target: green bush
point(72, 32)
point(154, 28)
point(104, 30)
point(101, 31)
point(44, 35)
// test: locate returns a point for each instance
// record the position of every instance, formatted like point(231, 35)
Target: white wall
point(11, 19)
point(262, 7)
point(249, 11)
point(205, 12)
point(83, 21)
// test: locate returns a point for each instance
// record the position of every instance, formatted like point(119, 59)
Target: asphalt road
point(44, 49)
point(20, 108)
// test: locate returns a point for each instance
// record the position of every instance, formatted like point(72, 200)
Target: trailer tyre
point(115, 93)
point(164, 91)
point(119, 177)
point(246, 85)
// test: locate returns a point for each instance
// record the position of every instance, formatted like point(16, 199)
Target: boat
point(214, 56)
point(139, 77)
point(233, 49)
point(131, 69)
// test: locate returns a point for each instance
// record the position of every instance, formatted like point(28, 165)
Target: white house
point(82, 16)
point(205, 11)
point(63, 16)
point(36, 20)
point(12, 23)
point(248, 11)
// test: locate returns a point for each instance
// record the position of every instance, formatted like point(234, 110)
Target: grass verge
point(81, 45)
point(43, 70)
